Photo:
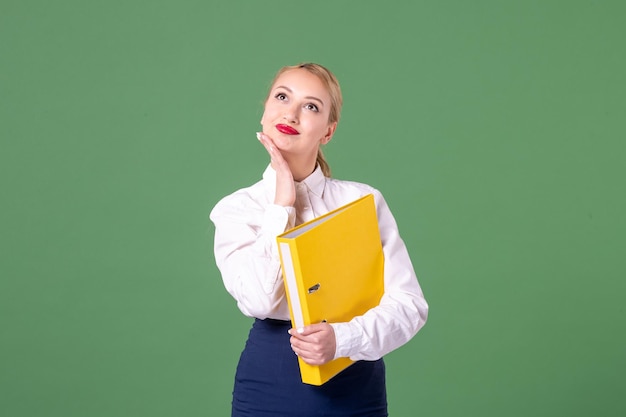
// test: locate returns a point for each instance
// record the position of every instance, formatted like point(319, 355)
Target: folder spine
point(291, 267)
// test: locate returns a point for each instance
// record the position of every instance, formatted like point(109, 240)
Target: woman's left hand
point(315, 344)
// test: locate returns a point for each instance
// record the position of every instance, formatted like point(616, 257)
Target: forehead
point(301, 81)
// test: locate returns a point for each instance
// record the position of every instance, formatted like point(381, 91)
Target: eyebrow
point(307, 97)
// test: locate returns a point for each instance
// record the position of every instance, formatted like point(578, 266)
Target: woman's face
point(296, 113)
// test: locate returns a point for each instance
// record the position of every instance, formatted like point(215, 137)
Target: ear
point(329, 133)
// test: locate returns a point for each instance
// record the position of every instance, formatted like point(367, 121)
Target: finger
point(303, 333)
point(267, 142)
point(274, 152)
point(312, 328)
point(310, 356)
point(296, 334)
point(303, 349)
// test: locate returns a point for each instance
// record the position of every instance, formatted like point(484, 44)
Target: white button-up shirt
point(246, 225)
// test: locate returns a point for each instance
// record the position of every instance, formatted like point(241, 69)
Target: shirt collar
point(314, 182)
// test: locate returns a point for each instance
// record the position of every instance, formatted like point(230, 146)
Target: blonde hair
point(336, 99)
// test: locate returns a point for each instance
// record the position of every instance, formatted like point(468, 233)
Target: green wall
point(495, 130)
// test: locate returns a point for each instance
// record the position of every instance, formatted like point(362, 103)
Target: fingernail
point(300, 330)
point(258, 135)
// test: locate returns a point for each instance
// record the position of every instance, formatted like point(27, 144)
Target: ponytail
point(321, 161)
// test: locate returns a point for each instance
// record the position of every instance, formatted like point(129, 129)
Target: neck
point(301, 167)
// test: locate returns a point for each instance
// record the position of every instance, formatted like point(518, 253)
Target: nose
point(291, 114)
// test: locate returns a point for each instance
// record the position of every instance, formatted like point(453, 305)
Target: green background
point(495, 130)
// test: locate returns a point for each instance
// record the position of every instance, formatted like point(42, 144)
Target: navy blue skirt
point(268, 384)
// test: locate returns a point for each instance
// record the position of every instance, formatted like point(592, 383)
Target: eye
point(312, 107)
point(281, 96)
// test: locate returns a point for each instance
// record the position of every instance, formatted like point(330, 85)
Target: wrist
point(284, 203)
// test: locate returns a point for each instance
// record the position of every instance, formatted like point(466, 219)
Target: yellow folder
point(333, 271)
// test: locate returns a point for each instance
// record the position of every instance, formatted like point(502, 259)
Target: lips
point(287, 130)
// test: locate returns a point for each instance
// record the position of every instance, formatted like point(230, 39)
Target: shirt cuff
point(347, 339)
point(278, 218)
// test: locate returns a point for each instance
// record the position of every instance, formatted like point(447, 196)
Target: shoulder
point(241, 203)
point(351, 190)
point(348, 186)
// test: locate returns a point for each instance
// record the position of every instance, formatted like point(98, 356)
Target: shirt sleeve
point(403, 309)
point(246, 252)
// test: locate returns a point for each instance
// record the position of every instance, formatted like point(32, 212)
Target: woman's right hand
point(285, 187)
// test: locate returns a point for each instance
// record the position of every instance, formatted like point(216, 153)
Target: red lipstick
point(287, 130)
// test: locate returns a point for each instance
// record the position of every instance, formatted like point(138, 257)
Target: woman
point(301, 114)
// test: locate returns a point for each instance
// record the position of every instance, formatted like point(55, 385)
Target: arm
point(245, 240)
point(400, 314)
point(246, 252)
point(402, 310)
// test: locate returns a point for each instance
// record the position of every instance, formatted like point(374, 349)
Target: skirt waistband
point(273, 322)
